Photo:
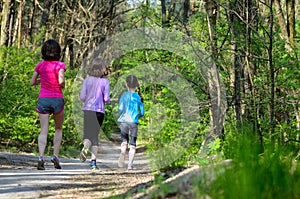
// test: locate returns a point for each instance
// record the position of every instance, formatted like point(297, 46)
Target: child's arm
point(142, 109)
point(83, 92)
point(121, 105)
point(34, 79)
point(106, 97)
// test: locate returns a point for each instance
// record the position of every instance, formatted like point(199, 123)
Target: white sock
point(123, 147)
point(131, 155)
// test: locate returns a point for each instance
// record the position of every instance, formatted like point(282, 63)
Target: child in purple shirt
point(95, 94)
point(50, 75)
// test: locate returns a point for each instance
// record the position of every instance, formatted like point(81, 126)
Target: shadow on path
point(19, 177)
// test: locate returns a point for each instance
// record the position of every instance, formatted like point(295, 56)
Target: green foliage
point(19, 123)
point(254, 172)
point(17, 97)
point(162, 124)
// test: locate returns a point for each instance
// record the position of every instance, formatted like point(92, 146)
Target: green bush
point(19, 123)
point(256, 171)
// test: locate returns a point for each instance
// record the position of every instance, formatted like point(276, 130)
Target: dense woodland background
point(255, 46)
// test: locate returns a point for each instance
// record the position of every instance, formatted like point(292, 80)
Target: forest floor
point(19, 177)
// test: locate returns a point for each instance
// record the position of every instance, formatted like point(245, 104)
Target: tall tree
point(272, 72)
point(186, 10)
point(237, 28)
point(287, 26)
point(19, 23)
point(5, 12)
point(290, 5)
point(46, 12)
point(212, 9)
point(168, 12)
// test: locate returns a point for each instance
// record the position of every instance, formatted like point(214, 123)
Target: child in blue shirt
point(131, 108)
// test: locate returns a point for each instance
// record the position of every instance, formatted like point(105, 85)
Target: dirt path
point(19, 177)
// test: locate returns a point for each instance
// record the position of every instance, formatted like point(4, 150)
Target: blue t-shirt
point(130, 107)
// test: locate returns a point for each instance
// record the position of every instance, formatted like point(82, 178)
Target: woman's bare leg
point(58, 119)
point(42, 140)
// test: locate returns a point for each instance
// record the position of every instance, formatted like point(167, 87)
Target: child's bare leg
point(123, 147)
point(86, 144)
point(121, 162)
point(94, 151)
point(131, 155)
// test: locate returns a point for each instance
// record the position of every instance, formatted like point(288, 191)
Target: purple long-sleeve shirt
point(95, 93)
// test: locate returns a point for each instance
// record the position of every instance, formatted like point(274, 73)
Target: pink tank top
point(48, 71)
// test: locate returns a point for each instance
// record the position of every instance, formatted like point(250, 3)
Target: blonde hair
point(97, 68)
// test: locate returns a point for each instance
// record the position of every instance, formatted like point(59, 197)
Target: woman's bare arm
point(61, 78)
point(34, 79)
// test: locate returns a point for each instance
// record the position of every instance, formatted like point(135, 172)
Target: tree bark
point(32, 19)
point(211, 9)
point(282, 24)
point(20, 19)
point(236, 32)
point(186, 10)
point(5, 23)
point(45, 16)
point(272, 73)
point(12, 23)
point(290, 4)
point(214, 83)
point(211, 16)
point(163, 13)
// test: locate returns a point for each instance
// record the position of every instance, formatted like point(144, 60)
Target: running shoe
point(130, 167)
point(83, 155)
point(55, 161)
point(94, 165)
point(121, 162)
point(40, 165)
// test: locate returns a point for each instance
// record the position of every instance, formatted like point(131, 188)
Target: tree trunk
point(171, 11)
point(214, 84)
point(290, 5)
point(282, 23)
point(32, 19)
point(19, 30)
point(211, 16)
point(12, 23)
point(45, 16)
point(236, 32)
point(272, 73)
point(5, 23)
point(186, 10)
point(163, 13)
point(252, 24)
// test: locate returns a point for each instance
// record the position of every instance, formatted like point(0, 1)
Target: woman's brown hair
point(51, 50)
